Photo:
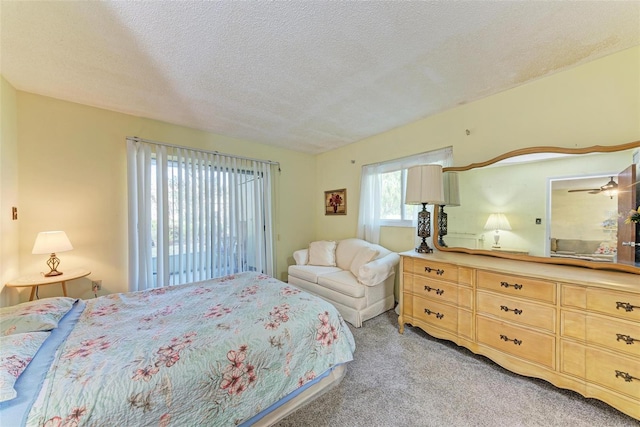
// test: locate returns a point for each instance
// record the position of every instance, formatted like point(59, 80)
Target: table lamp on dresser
point(424, 186)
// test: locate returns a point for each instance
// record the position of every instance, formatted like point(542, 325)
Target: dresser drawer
point(572, 358)
point(465, 276)
point(465, 324)
point(617, 335)
point(542, 290)
point(465, 297)
point(573, 325)
point(614, 371)
point(435, 289)
point(573, 296)
point(620, 304)
point(536, 347)
point(441, 315)
point(517, 310)
point(437, 270)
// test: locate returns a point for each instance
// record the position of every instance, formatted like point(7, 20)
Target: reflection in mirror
point(584, 218)
point(562, 207)
point(451, 198)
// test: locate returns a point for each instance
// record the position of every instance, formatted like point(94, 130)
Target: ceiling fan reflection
point(610, 189)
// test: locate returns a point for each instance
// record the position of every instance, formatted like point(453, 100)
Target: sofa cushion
point(379, 269)
point(301, 256)
point(577, 246)
point(336, 298)
point(363, 256)
point(343, 282)
point(311, 273)
point(322, 253)
point(347, 249)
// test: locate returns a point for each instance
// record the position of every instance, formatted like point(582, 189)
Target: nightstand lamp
point(497, 222)
point(50, 242)
point(424, 185)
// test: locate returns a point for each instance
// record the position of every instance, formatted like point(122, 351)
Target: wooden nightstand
point(35, 280)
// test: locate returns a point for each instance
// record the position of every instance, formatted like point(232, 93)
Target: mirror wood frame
point(546, 260)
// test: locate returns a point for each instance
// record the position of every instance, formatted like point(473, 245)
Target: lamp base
point(496, 240)
point(424, 248)
point(424, 230)
point(53, 263)
point(53, 273)
point(442, 226)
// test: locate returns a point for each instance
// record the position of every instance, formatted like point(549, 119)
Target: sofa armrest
point(378, 270)
point(301, 256)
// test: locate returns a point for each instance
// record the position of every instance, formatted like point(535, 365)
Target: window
point(196, 215)
point(382, 192)
point(393, 211)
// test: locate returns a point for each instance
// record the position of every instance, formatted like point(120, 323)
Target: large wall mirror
point(548, 204)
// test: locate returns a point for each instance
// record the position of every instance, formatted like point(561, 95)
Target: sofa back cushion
point(363, 256)
point(347, 249)
point(322, 253)
point(577, 246)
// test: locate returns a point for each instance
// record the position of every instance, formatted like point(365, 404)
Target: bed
point(240, 350)
point(586, 250)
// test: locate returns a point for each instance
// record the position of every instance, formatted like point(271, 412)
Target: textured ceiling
point(310, 76)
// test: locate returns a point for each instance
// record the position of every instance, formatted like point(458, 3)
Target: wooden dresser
point(577, 328)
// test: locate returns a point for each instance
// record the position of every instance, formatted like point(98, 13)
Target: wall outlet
point(96, 285)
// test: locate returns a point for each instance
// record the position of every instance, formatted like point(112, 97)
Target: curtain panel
point(194, 215)
point(371, 185)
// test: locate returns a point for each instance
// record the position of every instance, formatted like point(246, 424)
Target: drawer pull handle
point(507, 284)
point(515, 341)
point(429, 289)
point(515, 310)
point(438, 271)
point(429, 312)
point(626, 338)
point(625, 305)
point(625, 375)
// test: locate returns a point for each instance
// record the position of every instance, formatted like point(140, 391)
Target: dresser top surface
point(560, 273)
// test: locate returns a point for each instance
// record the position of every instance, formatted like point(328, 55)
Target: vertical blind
point(194, 215)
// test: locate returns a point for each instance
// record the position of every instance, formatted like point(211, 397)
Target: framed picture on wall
point(335, 202)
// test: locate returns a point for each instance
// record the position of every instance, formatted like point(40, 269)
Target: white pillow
point(322, 253)
point(301, 256)
point(363, 256)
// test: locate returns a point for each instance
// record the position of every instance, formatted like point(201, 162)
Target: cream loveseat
point(356, 276)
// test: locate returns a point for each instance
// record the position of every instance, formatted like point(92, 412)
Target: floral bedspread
point(209, 353)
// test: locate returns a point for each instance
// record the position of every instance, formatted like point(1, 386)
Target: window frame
point(369, 221)
point(406, 218)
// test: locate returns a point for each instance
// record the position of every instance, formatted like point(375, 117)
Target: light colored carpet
point(417, 380)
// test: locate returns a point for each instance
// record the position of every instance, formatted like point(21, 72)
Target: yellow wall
point(73, 177)
point(593, 104)
point(72, 161)
point(8, 188)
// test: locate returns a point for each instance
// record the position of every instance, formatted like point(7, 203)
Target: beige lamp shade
point(497, 221)
point(424, 185)
point(49, 242)
point(451, 189)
